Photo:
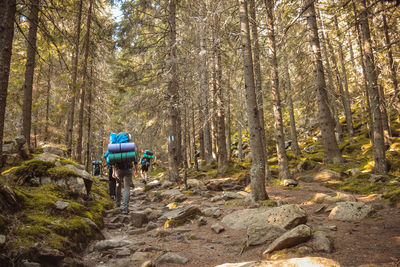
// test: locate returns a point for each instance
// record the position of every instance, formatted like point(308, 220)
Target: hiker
point(145, 162)
point(111, 180)
point(122, 157)
point(96, 167)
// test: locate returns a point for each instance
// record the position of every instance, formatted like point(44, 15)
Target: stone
point(2, 240)
point(320, 242)
point(54, 150)
point(327, 175)
point(173, 258)
point(124, 252)
point(286, 216)
point(290, 182)
point(166, 184)
point(294, 262)
point(306, 178)
point(26, 263)
point(217, 228)
point(138, 219)
point(61, 205)
point(342, 197)
point(110, 244)
point(45, 180)
point(49, 255)
point(139, 256)
point(376, 178)
point(304, 250)
point(196, 184)
point(48, 157)
point(216, 198)
point(171, 193)
point(150, 226)
point(354, 172)
point(148, 264)
point(208, 212)
point(186, 212)
point(13, 159)
point(226, 195)
point(297, 235)
point(350, 211)
point(257, 235)
point(202, 221)
point(9, 148)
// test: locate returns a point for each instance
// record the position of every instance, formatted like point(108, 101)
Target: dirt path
point(374, 241)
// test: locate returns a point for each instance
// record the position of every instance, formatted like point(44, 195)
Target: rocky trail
point(214, 223)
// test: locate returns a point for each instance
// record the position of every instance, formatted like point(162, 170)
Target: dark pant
point(111, 182)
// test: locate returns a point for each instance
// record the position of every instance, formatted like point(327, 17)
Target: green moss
point(235, 202)
point(39, 150)
point(65, 161)
point(188, 192)
point(393, 196)
point(268, 203)
point(31, 168)
point(3, 224)
point(360, 184)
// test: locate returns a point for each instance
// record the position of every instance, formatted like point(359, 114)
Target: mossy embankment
point(35, 220)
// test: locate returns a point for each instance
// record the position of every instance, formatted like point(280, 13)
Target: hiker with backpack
point(145, 162)
point(123, 158)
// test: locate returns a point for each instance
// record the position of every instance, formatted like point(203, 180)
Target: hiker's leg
point(111, 183)
point(127, 184)
point(118, 194)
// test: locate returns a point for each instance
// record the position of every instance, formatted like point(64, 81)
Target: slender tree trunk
point(185, 145)
point(46, 127)
point(174, 97)
point(331, 149)
point(30, 69)
point(346, 97)
point(196, 163)
point(71, 111)
point(362, 57)
point(293, 132)
point(330, 85)
point(229, 130)
point(391, 65)
point(7, 17)
point(84, 85)
point(284, 172)
point(378, 144)
point(222, 157)
point(205, 116)
point(89, 118)
point(257, 173)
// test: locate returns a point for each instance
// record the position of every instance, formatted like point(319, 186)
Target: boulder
point(166, 184)
point(290, 182)
point(13, 159)
point(138, 219)
point(289, 239)
point(306, 165)
point(286, 216)
point(294, 262)
point(320, 242)
point(2, 240)
point(110, 244)
point(196, 184)
point(48, 157)
point(184, 213)
point(350, 211)
point(54, 150)
point(327, 175)
point(139, 256)
point(354, 172)
point(226, 195)
point(172, 258)
point(257, 235)
point(61, 205)
point(172, 193)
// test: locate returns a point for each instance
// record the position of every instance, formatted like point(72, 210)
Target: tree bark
point(378, 143)
point(30, 69)
point(257, 172)
point(84, 85)
point(222, 157)
point(205, 115)
point(293, 132)
point(331, 149)
point(46, 125)
point(346, 97)
point(173, 97)
point(71, 111)
point(89, 119)
point(284, 172)
point(392, 66)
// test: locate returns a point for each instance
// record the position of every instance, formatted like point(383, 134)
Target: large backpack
point(121, 151)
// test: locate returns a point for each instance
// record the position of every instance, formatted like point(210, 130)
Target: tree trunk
point(378, 144)
point(205, 116)
point(89, 118)
point(229, 130)
point(284, 172)
point(30, 69)
point(293, 132)
point(346, 97)
point(220, 102)
point(330, 85)
point(71, 111)
point(257, 172)
point(196, 163)
point(331, 149)
point(84, 85)
point(46, 127)
point(174, 97)
point(391, 65)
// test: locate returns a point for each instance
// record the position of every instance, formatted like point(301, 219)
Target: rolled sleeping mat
point(146, 156)
point(123, 147)
point(149, 152)
point(121, 157)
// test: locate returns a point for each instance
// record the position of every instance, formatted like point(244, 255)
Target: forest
point(266, 93)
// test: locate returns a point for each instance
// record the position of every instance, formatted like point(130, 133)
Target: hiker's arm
point(114, 173)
